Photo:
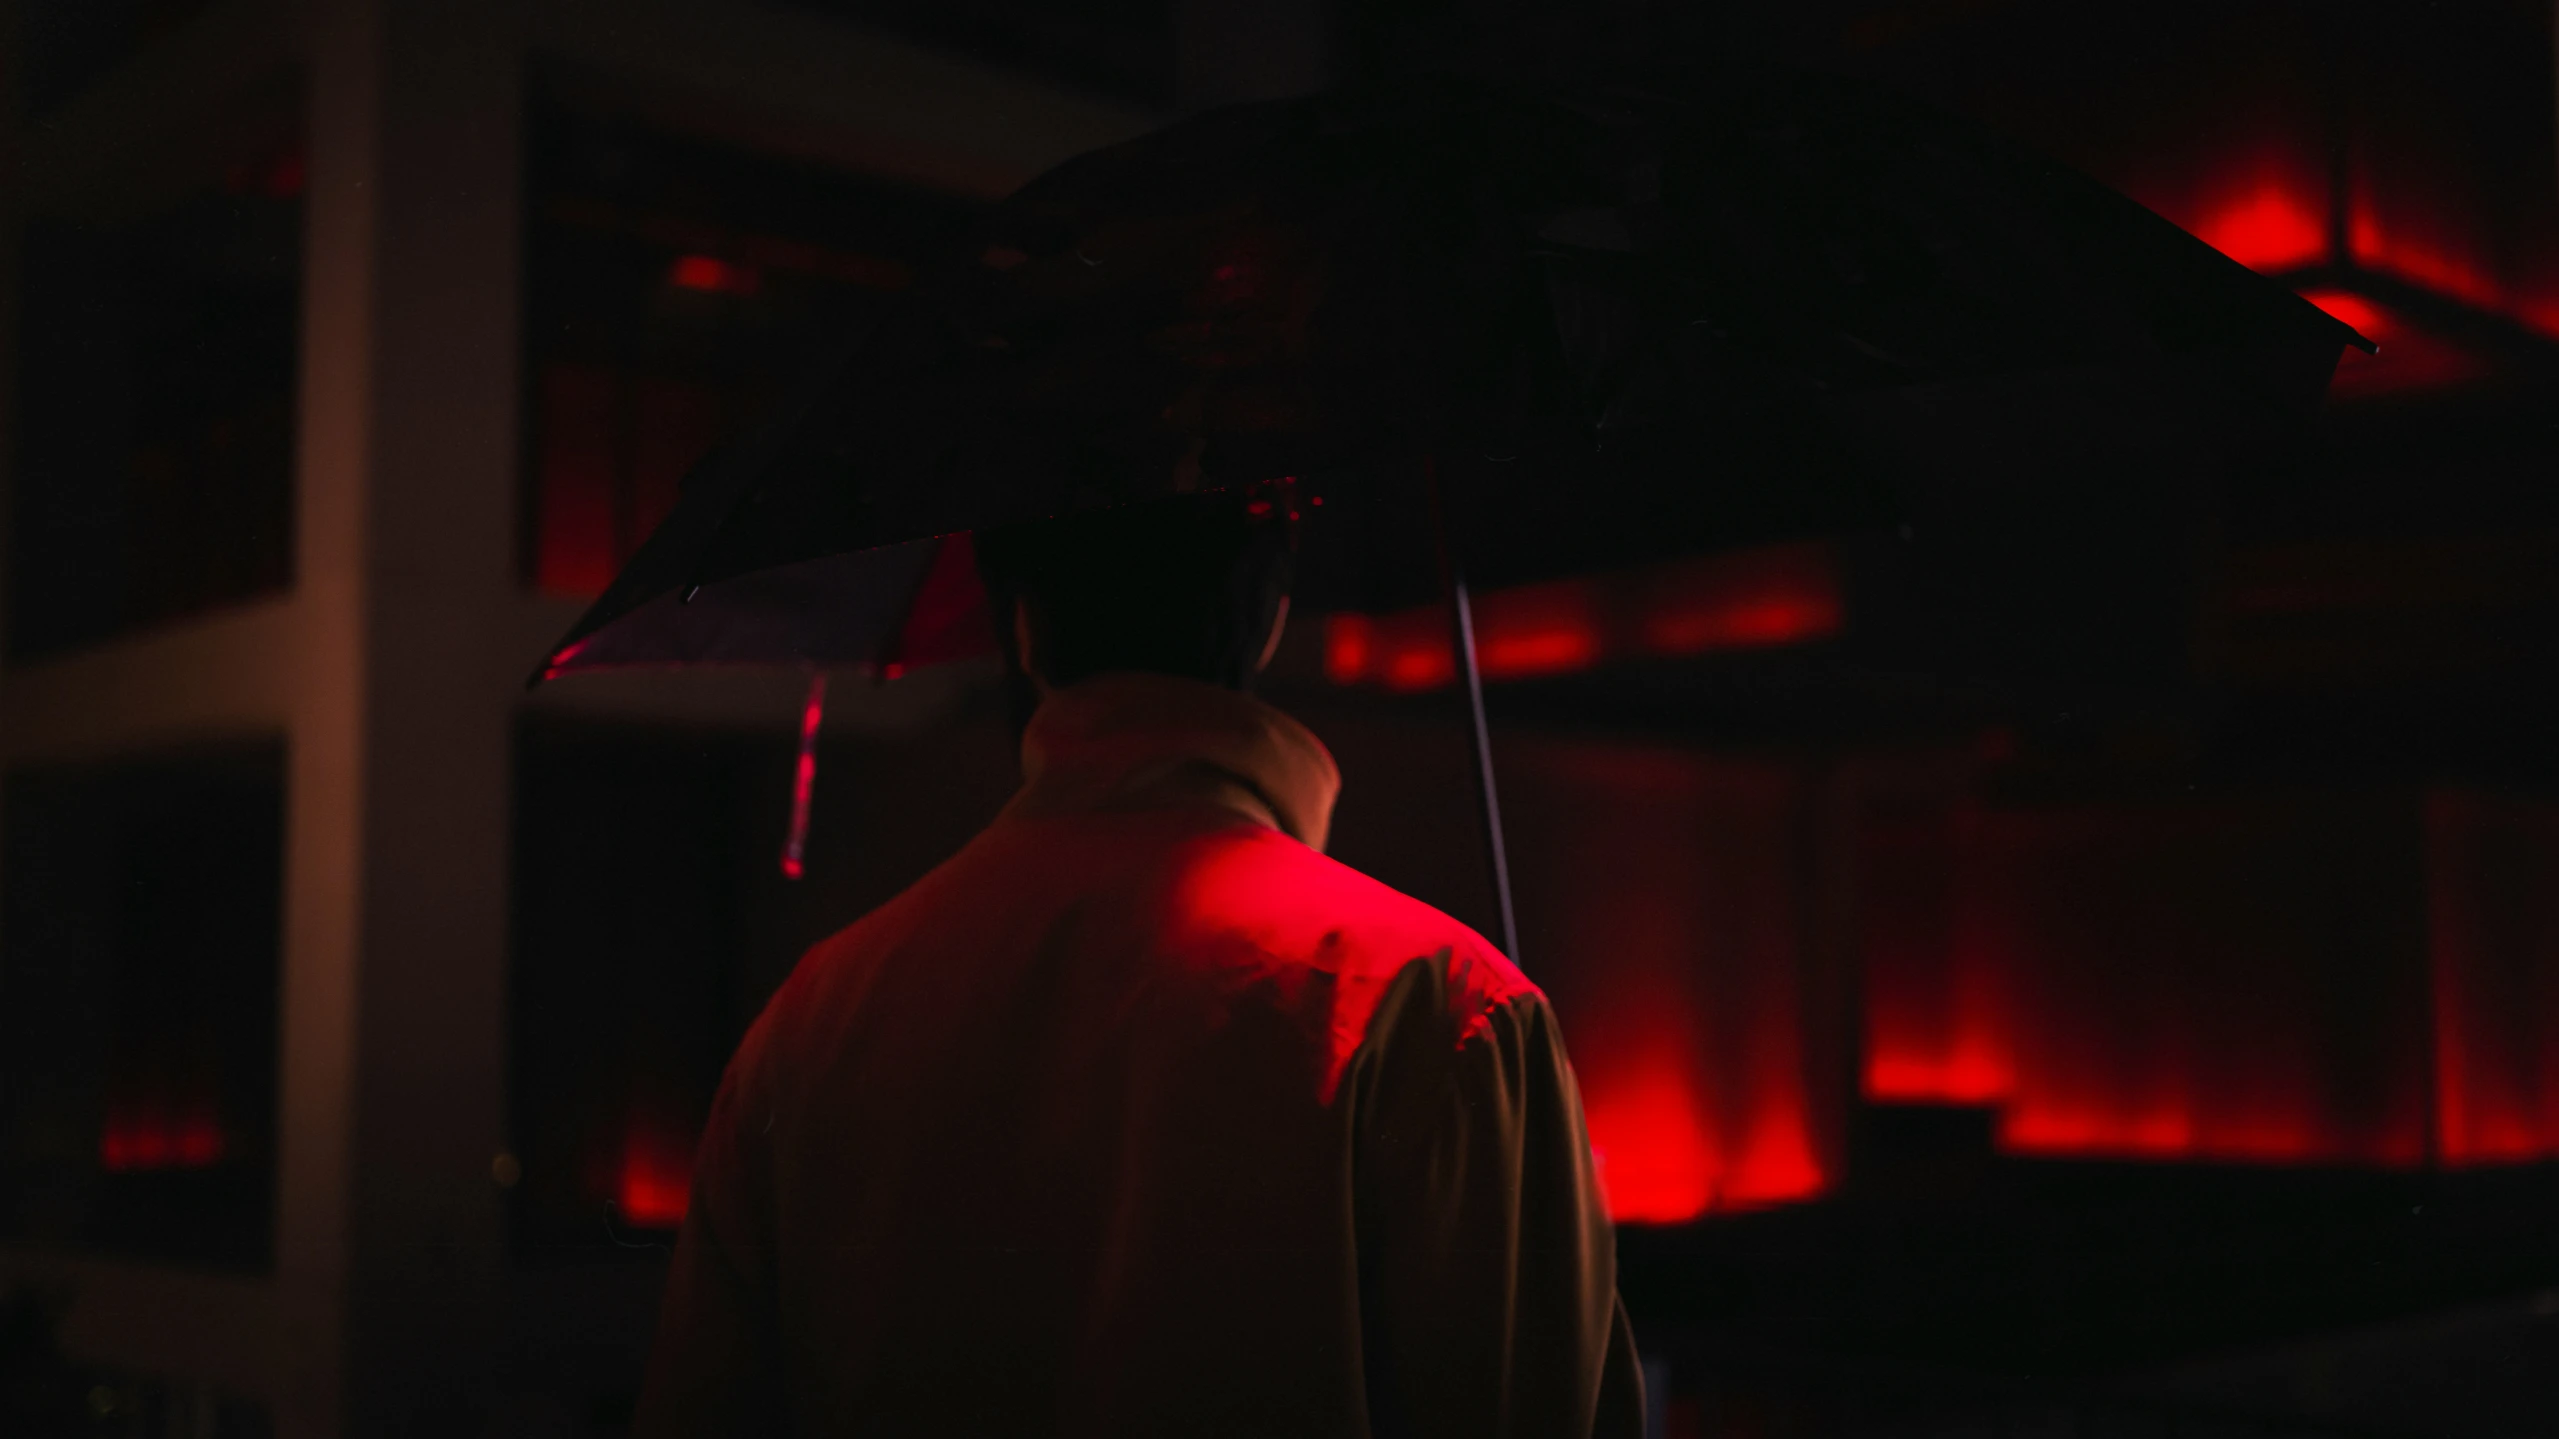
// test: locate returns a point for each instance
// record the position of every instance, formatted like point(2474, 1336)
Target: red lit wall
point(1938, 1029)
point(576, 482)
point(2214, 981)
point(2440, 186)
point(2261, 199)
point(610, 451)
point(2412, 140)
point(2410, 358)
point(2415, 209)
point(1662, 899)
point(2493, 939)
point(2286, 979)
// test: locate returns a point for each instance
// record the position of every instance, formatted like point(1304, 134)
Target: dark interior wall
point(140, 936)
point(653, 920)
point(1124, 48)
point(63, 45)
point(152, 474)
point(675, 287)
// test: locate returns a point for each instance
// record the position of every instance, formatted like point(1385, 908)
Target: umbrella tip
point(553, 664)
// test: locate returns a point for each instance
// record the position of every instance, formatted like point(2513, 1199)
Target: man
point(1139, 1116)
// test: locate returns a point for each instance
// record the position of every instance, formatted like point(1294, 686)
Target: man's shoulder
point(1235, 905)
point(1253, 912)
point(1291, 904)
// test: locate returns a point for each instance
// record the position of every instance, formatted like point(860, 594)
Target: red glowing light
point(1418, 665)
point(2269, 226)
point(146, 1136)
point(1934, 970)
point(654, 1184)
point(2145, 986)
point(1909, 1075)
point(2351, 309)
point(1781, 596)
point(2416, 238)
point(1556, 649)
point(2419, 206)
point(1776, 1163)
point(2410, 358)
point(2493, 941)
point(561, 661)
point(1751, 623)
point(575, 552)
point(1649, 1132)
point(1670, 909)
point(714, 276)
point(1347, 643)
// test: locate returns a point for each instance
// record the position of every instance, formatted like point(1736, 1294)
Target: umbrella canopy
point(1611, 321)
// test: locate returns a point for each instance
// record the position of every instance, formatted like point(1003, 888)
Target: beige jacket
point(1141, 1117)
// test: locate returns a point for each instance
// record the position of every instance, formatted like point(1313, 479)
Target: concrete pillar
point(391, 1252)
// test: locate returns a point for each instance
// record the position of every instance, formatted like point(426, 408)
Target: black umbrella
point(1470, 331)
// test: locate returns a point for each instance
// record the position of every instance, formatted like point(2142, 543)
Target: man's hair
point(1186, 586)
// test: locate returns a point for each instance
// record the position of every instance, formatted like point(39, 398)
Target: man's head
point(1195, 587)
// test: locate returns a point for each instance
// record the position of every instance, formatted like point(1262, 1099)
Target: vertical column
point(397, 929)
point(440, 686)
point(324, 800)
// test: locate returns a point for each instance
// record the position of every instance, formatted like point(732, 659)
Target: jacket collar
point(1140, 741)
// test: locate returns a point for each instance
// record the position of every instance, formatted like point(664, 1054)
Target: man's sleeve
point(1488, 1265)
point(715, 1369)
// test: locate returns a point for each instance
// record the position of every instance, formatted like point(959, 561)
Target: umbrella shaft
point(1462, 611)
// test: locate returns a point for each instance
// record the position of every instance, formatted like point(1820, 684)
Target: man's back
point(1141, 1116)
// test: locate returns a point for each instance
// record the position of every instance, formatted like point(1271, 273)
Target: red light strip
point(804, 778)
point(149, 1136)
point(1763, 599)
point(712, 275)
point(654, 1183)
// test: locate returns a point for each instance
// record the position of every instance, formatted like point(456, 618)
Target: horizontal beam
point(221, 675)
